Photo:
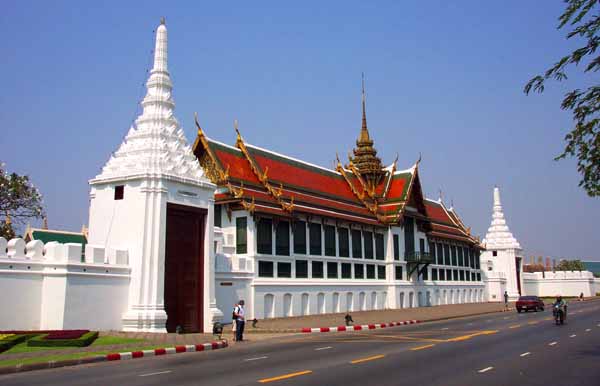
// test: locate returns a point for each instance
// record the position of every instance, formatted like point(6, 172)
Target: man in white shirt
point(240, 321)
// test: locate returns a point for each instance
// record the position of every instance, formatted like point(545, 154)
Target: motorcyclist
point(561, 306)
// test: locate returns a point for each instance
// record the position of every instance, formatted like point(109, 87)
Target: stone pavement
point(378, 316)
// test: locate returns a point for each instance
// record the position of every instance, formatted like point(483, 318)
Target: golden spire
point(45, 222)
point(365, 156)
point(8, 220)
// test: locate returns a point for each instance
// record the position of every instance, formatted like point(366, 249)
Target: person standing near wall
point(234, 321)
point(240, 321)
point(505, 300)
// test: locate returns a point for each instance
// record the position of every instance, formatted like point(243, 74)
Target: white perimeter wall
point(565, 283)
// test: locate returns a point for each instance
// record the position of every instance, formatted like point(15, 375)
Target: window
point(455, 275)
point(461, 261)
point(409, 235)
point(440, 254)
point(473, 276)
point(478, 276)
point(282, 238)
point(396, 247)
point(476, 259)
point(265, 236)
point(453, 253)
point(284, 269)
point(346, 271)
point(494, 253)
point(217, 215)
point(462, 275)
point(379, 253)
point(422, 245)
point(344, 242)
point(317, 269)
point(265, 268)
point(432, 251)
point(315, 238)
point(448, 274)
point(425, 275)
point(300, 237)
point(434, 274)
point(359, 271)
point(329, 240)
point(398, 270)
point(120, 192)
point(368, 240)
point(468, 276)
point(442, 274)
point(356, 244)
point(370, 271)
point(241, 240)
point(381, 272)
point(332, 270)
point(446, 254)
point(301, 269)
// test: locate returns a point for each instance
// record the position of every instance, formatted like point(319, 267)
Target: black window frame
point(300, 237)
point(346, 270)
point(262, 264)
point(359, 271)
point(344, 242)
point(440, 253)
point(447, 260)
point(368, 244)
point(301, 269)
point(329, 235)
point(356, 243)
point(370, 271)
point(379, 246)
point(315, 239)
point(264, 236)
point(396, 247)
point(282, 238)
point(286, 267)
point(398, 272)
point(381, 272)
point(332, 273)
point(241, 235)
point(217, 220)
point(434, 274)
point(314, 264)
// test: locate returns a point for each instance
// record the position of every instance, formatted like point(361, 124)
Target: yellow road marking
point(515, 326)
point(466, 337)
point(374, 357)
point(285, 376)
point(534, 322)
point(422, 347)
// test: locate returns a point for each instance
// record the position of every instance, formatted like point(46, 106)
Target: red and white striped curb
point(358, 328)
point(166, 351)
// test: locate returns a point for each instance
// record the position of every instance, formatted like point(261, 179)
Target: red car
point(529, 303)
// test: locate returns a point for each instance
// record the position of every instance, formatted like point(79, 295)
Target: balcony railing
point(418, 257)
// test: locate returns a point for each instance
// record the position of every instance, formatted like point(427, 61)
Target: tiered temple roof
point(262, 181)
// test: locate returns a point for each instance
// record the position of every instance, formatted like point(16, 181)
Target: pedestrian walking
point(506, 300)
point(240, 321)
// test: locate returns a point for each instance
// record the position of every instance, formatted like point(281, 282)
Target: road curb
point(309, 330)
point(114, 357)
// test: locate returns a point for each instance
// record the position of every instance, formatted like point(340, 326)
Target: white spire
point(498, 235)
point(155, 144)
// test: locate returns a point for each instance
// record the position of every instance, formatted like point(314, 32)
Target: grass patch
point(60, 357)
point(101, 341)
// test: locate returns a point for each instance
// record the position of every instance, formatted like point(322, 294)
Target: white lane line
point(157, 373)
point(470, 324)
point(525, 354)
point(506, 317)
point(486, 369)
point(323, 348)
point(254, 359)
point(445, 328)
point(552, 344)
point(588, 329)
point(572, 336)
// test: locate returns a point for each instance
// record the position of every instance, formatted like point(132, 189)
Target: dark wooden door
point(184, 262)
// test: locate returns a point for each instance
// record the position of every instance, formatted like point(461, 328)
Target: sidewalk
point(293, 324)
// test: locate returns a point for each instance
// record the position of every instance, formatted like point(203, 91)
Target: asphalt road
point(496, 349)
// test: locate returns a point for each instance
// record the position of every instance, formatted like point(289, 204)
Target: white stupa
point(502, 260)
point(153, 168)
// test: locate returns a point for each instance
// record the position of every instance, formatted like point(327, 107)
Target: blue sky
point(444, 80)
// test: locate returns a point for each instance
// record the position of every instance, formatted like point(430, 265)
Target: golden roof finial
point(45, 222)
point(235, 127)
point(8, 220)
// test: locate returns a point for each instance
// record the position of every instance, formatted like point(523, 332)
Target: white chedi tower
point(154, 167)
point(503, 256)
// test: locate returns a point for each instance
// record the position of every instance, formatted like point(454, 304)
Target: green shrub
point(7, 343)
point(85, 340)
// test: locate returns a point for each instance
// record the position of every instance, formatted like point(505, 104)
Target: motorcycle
point(559, 314)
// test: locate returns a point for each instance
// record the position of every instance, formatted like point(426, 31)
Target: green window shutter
point(368, 240)
point(344, 242)
point(356, 244)
point(329, 231)
point(396, 247)
point(282, 238)
point(241, 237)
point(315, 238)
point(300, 237)
point(379, 246)
point(217, 215)
point(265, 236)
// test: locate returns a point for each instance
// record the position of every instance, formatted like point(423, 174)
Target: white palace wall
point(49, 287)
point(565, 283)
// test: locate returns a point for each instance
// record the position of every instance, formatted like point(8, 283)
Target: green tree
point(583, 141)
point(19, 201)
point(570, 265)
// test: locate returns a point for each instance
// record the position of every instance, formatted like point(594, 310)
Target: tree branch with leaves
point(583, 140)
point(19, 201)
